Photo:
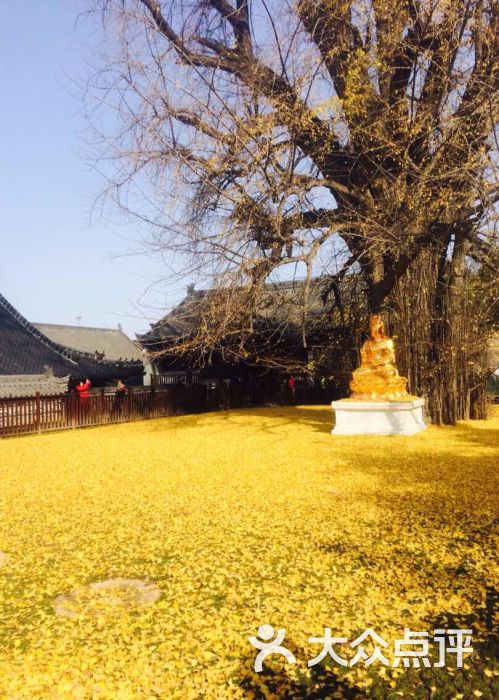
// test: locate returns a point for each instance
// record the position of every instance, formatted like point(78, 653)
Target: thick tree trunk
point(439, 339)
point(414, 322)
point(374, 271)
point(454, 340)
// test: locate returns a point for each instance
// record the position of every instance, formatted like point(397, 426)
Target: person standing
point(83, 389)
point(119, 399)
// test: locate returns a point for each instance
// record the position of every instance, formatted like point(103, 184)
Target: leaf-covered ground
point(244, 518)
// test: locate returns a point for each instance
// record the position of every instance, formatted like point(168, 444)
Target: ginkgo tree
point(325, 137)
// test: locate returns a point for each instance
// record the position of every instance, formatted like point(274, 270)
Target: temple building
point(33, 362)
point(104, 343)
point(327, 340)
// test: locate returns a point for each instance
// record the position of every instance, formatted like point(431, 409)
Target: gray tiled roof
point(111, 341)
point(29, 384)
point(281, 305)
point(25, 350)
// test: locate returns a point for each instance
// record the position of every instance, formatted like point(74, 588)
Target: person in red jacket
point(83, 389)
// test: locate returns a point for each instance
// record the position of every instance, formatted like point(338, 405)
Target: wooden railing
point(36, 414)
point(178, 378)
point(20, 416)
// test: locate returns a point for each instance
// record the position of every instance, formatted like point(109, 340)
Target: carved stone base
point(378, 417)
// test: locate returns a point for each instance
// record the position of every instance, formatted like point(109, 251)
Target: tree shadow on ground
point(476, 674)
point(428, 488)
point(320, 419)
point(432, 683)
point(322, 683)
point(482, 437)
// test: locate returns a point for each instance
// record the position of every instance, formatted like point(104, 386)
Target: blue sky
point(59, 260)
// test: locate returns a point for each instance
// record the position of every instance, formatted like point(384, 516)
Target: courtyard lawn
point(243, 518)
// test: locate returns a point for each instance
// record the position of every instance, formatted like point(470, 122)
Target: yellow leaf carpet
point(243, 518)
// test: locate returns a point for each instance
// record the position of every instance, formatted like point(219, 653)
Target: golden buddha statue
point(377, 378)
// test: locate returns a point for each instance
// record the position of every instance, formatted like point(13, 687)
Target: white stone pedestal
point(378, 417)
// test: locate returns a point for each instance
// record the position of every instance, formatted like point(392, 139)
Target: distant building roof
point(111, 341)
point(30, 384)
point(281, 306)
point(26, 350)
